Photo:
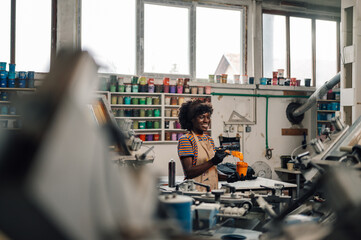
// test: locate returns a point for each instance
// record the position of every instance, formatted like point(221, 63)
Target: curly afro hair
point(190, 110)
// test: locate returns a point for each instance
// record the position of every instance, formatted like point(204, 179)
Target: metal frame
point(313, 18)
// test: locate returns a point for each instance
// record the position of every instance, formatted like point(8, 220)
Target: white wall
point(254, 141)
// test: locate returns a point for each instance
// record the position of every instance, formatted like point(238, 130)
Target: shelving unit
point(10, 121)
point(162, 131)
point(324, 115)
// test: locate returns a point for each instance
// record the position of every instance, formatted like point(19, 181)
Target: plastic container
point(156, 137)
point(149, 124)
point(135, 88)
point(128, 88)
point(3, 83)
point(142, 101)
point(263, 81)
point(11, 83)
point(174, 137)
point(127, 100)
point(172, 89)
point(31, 74)
point(120, 100)
point(3, 74)
point(141, 124)
point(3, 66)
point(114, 100)
point(149, 137)
point(242, 168)
point(180, 89)
point(142, 137)
point(149, 101)
point(135, 101)
point(156, 124)
point(156, 112)
point(166, 88)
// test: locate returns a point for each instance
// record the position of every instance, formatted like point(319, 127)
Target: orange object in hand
point(241, 165)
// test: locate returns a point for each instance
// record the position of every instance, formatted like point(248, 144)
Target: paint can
point(149, 113)
point(308, 82)
point(172, 89)
point(2, 66)
point(156, 124)
point(167, 136)
point(174, 136)
point(173, 101)
point(3, 74)
point(141, 124)
point(180, 89)
point(171, 173)
point(135, 101)
point(113, 100)
point(142, 137)
point(151, 88)
point(218, 78)
point(166, 88)
point(128, 88)
point(180, 100)
point(200, 90)
point(194, 90)
point(136, 112)
point(174, 113)
point(156, 101)
point(156, 137)
point(158, 88)
point(167, 100)
point(127, 100)
point(274, 81)
point(149, 137)
point(180, 207)
point(166, 125)
point(224, 78)
point(251, 80)
point(120, 100)
point(156, 112)
point(3, 83)
point(11, 83)
point(142, 112)
point(149, 124)
point(135, 88)
point(149, 101)
point(263, 81)
point(135, 124)
point(142, 101)
point(4, 96)
point(211, 78)
point(134, 80)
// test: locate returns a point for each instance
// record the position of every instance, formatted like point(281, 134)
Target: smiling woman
point(196, 149)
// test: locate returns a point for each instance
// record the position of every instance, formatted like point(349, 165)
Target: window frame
point(192, 6)
point(313, 18)
point(53, 31)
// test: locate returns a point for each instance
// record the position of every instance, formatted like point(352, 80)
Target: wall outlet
point(248, 129)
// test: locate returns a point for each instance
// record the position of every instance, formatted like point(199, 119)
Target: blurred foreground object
point(56, 177)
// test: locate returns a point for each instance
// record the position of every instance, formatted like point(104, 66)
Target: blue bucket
point(3, 74)
point(31, 75)
point(2, 66)
point(22, 75)
point(11, 67)
point(3, 83)
point(11, 83)
point(4, 96)
point(11, 75)
point(22, 83)
point(263, 81)
point(179, 207)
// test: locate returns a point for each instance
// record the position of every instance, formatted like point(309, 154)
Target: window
point(33, 35)
point(326, 51)
point(301, 47)
point(219, 40)
point(108, 33)
point(300, 58)
point(5, 30)
point(166, 39)
point(274, 44)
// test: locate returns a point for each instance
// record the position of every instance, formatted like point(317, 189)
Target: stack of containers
point(3, 74)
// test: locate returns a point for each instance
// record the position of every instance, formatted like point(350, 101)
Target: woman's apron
point(205, 153)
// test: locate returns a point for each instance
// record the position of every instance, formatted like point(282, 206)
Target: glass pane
point(301, 48)
point(108, 33)
point(326, 51)
point(219, 42)
point(5, 12)
point(166, 39)
point(274, 44)
point(33, 35)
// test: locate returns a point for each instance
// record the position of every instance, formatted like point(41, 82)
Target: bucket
point(2, 66)
point(242, 168)
point(179, 207)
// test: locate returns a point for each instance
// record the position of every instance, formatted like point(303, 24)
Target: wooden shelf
point(172, 106)
point(323, 121)
point(187, 95)
point(135, 106)
point(17, 89)
point(10, 116)
point(140, 118)
point(327, 100)
point(136, 93)
point(325, 111)
point(5, 102)
point(157, 130)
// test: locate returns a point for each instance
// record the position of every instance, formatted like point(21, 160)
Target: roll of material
point(179, 207)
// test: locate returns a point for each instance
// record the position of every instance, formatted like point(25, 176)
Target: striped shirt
point(187, 145)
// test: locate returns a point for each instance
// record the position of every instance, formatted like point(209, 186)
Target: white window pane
point(5, 8)
point(108, 33)
point(33, 35)
point(326, 51)
point(301, 48)
point(166, 39)
point(218, 42)
point(274, 44)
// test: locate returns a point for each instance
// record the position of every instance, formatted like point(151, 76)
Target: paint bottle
point(151, 85)
point(156, 124)
point(127, 100)
point(114, 99)
point(135, 101)
point(128, 88)
point(171, 173)
point(141, 124)
point(134, 80)
point(135, 88)
point(142, 112)
point(167, 136)
point(120, 100)
point(149, 101)
point(149, 124)
point(142, 101)
point(149, 137)
point(142, 137)
point(174, 136)
point(156, 112)
point(172, 89)
point(149, 113)
point(156, 101)
point(156, 137)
